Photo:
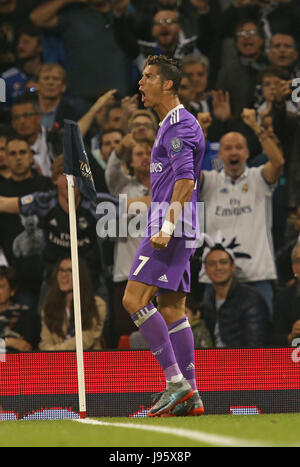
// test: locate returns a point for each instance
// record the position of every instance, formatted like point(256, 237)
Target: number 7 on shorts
point(143, 260)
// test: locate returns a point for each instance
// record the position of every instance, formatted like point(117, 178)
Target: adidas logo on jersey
point(163, 278)
point(175, 117)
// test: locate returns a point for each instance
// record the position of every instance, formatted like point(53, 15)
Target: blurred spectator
point(26, 121)
point(280, 16)
point(22, 238)
point(129, 105)
point(186, 93)
point(198, 18)
point(93, 122)
point(136, 154)
point(236, 315)
point(286, 127)
point(239, 198)
point(85, 28)
point(240, 76)
point(19, 325)
point(202, 337)
point(283, 255)
point(4, 169)
point(58, 327)
point(113, 116)
point(286, 325)
point(13, 14)
point(109, 140)
point(29, 59)
point(266, 92)
point(202, 17)
point(54, 105)
point(52, 209)
point(197, 68)
point(216, 103)
point(168, 38)
point(142, 124)
point(283, 54)
point(101, 141)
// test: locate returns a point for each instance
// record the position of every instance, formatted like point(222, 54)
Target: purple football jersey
point(177, 154)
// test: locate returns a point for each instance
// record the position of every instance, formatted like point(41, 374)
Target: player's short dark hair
point(168, 69)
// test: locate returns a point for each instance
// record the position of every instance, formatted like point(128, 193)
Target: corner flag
point(75, 160)
point(75, 164)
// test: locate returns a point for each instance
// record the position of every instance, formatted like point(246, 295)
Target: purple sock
point(154, 329)
point(182, 339)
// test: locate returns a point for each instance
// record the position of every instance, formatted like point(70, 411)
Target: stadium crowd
point(82, 60)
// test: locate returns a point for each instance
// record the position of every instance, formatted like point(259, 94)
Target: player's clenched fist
point(160, 240)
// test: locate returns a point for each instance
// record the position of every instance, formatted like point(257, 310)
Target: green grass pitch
point(269, 430)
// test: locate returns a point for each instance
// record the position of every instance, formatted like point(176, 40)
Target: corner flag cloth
point(75, 160)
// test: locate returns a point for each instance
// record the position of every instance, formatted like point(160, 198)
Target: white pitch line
point(200, 436)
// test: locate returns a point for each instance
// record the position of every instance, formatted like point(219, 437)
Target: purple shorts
point(168, 269)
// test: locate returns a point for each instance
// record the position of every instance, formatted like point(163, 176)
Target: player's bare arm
point(9, 205)
point(183, 190)
point(146, 200)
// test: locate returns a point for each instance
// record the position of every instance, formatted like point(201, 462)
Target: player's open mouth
point(142, 96)
point(233, 161)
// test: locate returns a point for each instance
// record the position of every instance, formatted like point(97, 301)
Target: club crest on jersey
point(26, 199)
point(176, 144)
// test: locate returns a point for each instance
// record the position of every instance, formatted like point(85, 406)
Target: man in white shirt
point(238, 203)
